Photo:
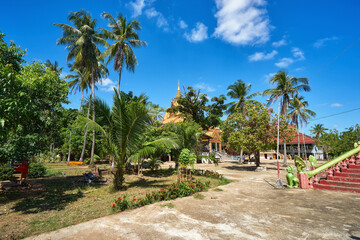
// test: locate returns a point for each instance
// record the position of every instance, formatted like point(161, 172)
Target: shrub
point(170, 192)
point(37, 170)
point(5, 171)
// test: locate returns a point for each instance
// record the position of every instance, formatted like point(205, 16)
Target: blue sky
point(210, 44)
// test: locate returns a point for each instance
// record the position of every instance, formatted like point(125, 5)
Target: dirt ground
point(247, 208)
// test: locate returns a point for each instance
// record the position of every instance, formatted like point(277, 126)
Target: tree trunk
point(285, 155)
point(85, 135)
point(241, 155)
point(69, 154)
point(82, 97)
point(257, 159)
point(298, 137)
point(120, 70)
point(93, 118)
point(119, 177)
point(305, 155)
point(285, 115)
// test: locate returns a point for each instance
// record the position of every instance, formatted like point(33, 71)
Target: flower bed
point(207, 173)
point(173, 191)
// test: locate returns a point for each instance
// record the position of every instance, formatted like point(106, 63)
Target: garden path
point(247, 208)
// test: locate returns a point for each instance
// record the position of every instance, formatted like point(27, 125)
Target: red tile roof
point(308, 139)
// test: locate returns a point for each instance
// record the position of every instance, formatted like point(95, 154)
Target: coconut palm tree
point(80, 82)
point(123, 34)
point(126, 123)
point(82, 41)
point(241, 93)
point(53, 66)
point(298, 114)
point(318, 130)
point(286, 87)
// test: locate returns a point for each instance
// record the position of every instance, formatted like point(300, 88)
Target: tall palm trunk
point(305, 155)
point(298, 136)
point(93, 118)
point(82, 97)
point(69, 154)
point(85, 135)
point(120, 69)
point(284, 110)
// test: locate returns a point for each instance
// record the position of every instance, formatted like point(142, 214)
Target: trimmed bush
point(37, 170)
point(6, 171)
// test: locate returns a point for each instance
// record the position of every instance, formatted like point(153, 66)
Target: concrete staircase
point(344, 177)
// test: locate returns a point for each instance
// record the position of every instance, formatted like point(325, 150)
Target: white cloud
point(299, 69)
point(284, 62)
point(336, 105)
point(242, 22)
point(321, 42)
point(197, 34)
point(269, 76)
point(205, 87)
point(182, 24)
point(259, 56)
point(107, 85)
point(161, 22)
point(298, 55)
point(280, 43)
point(137, 6)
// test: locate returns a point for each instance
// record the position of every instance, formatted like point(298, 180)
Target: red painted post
point(330, 171)
point(337, 169)
point(352, 160)
point(316, 180)
point(343, 164)
point(347, 161)
point(303, 180)
point(358, 158)
point(310, 183)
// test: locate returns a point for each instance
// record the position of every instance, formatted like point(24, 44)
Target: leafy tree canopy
point(196, 105)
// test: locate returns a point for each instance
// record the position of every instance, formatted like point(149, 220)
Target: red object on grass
point(23, 169)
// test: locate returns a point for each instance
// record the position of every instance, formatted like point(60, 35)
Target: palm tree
point(318, 130)
point(80, 82)
point(127, 122)
point(53, 66)
point(298, 114)
point(124, 35)
point(81, 40)
point(286, 87)
point(240, 92)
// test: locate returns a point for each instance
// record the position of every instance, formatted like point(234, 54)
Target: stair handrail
point(333, 162)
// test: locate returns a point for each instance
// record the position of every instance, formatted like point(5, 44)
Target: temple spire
point(178, 93)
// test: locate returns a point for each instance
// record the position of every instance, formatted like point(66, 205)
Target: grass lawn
point(56, 202)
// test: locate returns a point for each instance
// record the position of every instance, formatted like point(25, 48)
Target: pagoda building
point(212, 137)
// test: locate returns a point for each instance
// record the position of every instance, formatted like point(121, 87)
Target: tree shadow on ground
point(48, 194)
point(143, 183)
point(159, 173)
point(247, 168)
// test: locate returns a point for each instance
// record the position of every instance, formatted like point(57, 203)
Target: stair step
point(336, 188)
point(343, 179)
point(343, 174)
point(340, 183)
point(350, 170)
point(354, 166)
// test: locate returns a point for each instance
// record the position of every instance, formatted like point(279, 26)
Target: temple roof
point(302, 137)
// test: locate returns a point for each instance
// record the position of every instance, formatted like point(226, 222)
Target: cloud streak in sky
point(242, 22)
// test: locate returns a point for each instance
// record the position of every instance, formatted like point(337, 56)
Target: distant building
point(292, 148)
point(212, 137)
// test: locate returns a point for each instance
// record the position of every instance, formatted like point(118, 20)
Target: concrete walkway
point(247, 208)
